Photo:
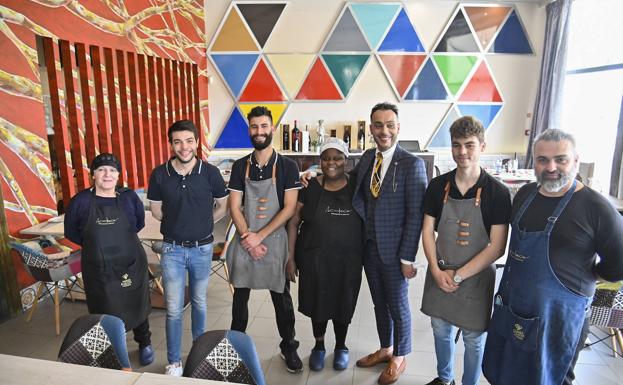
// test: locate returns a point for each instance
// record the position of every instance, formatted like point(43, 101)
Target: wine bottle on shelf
point(346, 136)
point(361, 135)
point(296, 138)
point(285, 137)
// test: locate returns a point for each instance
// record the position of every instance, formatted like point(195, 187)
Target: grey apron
point(261, 204)
point(461, 235)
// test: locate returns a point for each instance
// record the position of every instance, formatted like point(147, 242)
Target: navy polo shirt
point(287, 177)
point(187, 200)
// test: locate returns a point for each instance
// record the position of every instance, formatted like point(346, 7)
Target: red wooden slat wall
point(135, 99)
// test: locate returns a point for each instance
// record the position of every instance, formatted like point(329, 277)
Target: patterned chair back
point(96, 340)
point(607, 306)
point(224, 355)
point(41, 267)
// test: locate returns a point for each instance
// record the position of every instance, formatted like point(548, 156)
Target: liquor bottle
point(346, 136)
point(361, 135)
point(296, 138)
point(285, 137)
point(334, 133)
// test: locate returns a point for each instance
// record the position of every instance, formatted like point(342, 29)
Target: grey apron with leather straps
point(461, 235)
point(261, 204)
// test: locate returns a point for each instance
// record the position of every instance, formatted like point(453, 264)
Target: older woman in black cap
point(327, 253)
point(105, 219)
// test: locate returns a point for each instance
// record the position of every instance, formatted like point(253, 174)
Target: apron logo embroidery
point(106, 221)
point(338, 211)
point(518, 257)
point(518, 332)
point(125, 280)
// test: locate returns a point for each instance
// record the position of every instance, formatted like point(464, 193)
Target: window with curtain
point(593, 89)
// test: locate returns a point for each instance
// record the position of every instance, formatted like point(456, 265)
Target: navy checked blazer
point(398, 216)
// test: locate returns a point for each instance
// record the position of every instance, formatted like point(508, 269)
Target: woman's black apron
point(114, 266)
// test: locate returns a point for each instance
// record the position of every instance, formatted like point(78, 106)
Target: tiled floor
point(37, 339)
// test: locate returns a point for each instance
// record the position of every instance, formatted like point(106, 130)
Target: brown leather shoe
point(392, 372)
point(373, 359)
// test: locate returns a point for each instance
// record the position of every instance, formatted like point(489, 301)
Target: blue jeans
point(474, 342)
point(176, 261)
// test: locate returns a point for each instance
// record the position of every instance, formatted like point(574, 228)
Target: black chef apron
point(114, 266)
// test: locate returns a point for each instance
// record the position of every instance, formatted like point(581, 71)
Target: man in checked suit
point(390, 186)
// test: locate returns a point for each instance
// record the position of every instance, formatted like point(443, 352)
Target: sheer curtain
point(547, 105)
point(616, 177)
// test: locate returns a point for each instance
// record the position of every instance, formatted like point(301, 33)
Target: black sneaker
point(438, 381)
point(293, 361)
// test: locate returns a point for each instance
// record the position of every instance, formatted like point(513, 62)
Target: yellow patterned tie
point(375, 186)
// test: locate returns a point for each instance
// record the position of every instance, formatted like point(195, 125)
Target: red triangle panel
point(318, 85)
point(481, 88)
point(402, 69)
point(262, 86)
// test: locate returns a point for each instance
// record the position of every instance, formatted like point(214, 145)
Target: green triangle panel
point(261, 19)
point(454, 69)
point(374, 19)
point(345, 69)
point(346, 35)
point(458, 37)
point(441, 138)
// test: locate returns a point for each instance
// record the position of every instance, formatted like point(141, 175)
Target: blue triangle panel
point(512, 38)
point(442, 136)
point(235, 69)
point(483, 112)
point(428, 85)
point(402, 36)
point(235, 134)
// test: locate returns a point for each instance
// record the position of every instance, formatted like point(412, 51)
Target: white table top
point(54, 227)
point(29, 371)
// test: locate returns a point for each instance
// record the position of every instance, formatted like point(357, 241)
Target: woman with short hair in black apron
point(327, 253)
point(105, 219)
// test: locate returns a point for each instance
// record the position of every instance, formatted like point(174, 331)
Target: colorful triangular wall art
point(458, 36)
point(402, 36)
point(345, 69)
point(486, 21)
point(235, 134)
point(512, 37)
point(374, 19)
point(235, 69)
point(318, 84)
point(454, 69)
point(262, 86)
point(486, 113)
point(428, 85)
point(346, 36)
point(233, 35)
point(481, 87)
point(401, 69)
point(276, 109)
point(441, 137)
point(261, 18)
point(291, 69)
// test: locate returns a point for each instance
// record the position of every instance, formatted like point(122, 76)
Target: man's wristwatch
point(457, 278)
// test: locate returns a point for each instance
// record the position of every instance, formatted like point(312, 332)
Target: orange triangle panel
point(262, 86)
point(402, 69)
point(481, 88)
point(234, 35)
point(318, 85)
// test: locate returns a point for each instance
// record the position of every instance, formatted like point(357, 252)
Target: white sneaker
point(175, 370)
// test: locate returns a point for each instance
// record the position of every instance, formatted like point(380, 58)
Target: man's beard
point(268, 139)
point(185, 161)
point(556, 185)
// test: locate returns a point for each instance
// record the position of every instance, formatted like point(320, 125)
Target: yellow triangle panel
point(276, 110)
point(291, 69)
point(234, 35)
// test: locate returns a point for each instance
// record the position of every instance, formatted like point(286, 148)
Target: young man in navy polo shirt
point(264, 190)
point(187, 195)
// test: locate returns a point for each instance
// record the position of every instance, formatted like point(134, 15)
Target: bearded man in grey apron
point(470, 211)
point(263, 193)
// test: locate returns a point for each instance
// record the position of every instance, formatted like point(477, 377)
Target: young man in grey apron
point(263, 195)
point(559, 226)
point(470, 211)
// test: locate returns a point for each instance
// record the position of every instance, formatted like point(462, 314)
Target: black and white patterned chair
point(224, 355)
point(96, 340)
point(607, 311)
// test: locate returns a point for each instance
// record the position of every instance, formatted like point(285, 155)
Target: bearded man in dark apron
point(470, 211)
point(105, 219)
point(263, 194)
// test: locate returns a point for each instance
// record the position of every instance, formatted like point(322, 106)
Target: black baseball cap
point(105, 159)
